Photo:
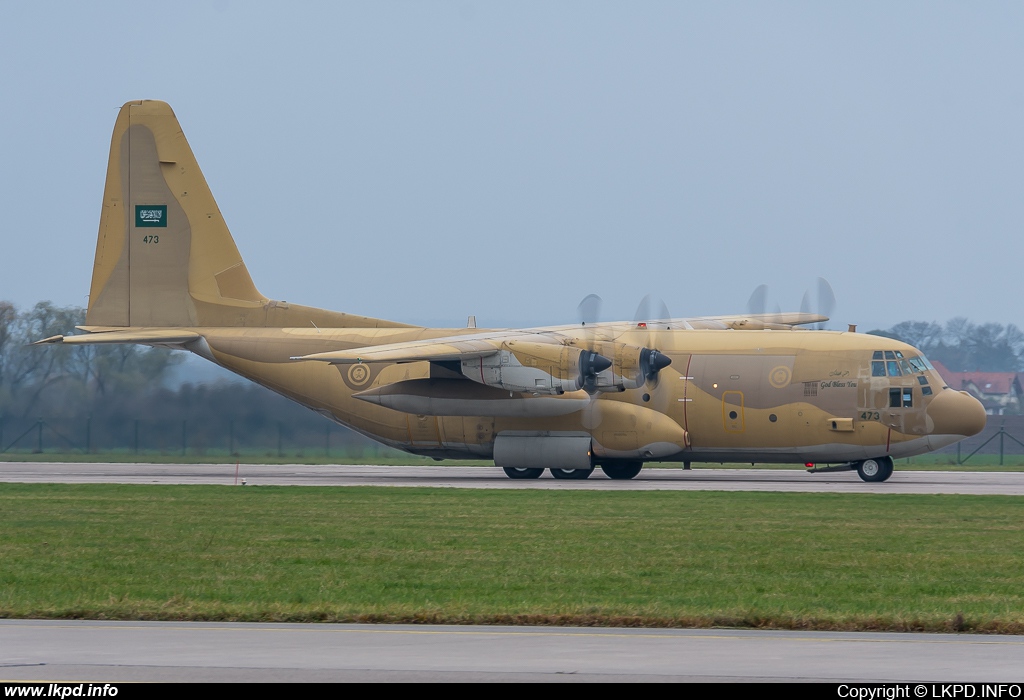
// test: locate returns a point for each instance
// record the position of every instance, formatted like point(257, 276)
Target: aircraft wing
point(776, 321)
point(433, 350)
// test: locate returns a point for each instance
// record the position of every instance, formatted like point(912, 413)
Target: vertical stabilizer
point(164, 256)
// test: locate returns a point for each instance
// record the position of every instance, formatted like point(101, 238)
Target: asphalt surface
point(234, 652)
point(1005, 483)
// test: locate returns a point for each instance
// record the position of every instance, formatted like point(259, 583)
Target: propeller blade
point(826, 299)
point(589, 310)
point(758, 300)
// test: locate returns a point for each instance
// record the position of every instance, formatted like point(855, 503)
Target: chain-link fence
point(269, 438)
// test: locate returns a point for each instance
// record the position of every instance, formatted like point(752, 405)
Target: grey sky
point(505, 160)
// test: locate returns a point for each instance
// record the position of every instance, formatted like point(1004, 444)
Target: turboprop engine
point(538, 368)
point(631, 367)
point(548, 368)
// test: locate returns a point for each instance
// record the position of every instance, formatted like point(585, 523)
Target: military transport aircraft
point(748, 388)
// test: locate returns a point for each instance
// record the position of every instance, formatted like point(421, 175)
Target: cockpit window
point(877, 355)
point(908, 397)
point(905, 366)
point(889, 355)
point(894, 368)
point(917, 364)
point(877, 367)
point(899, 355)
point(894, 397)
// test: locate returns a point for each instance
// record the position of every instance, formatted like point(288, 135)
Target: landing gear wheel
point(571, 473)
point(875, 469)
point(887, 463)
point(522, 472)
point(622, 470)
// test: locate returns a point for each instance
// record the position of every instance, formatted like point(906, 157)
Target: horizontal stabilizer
point(140, 336)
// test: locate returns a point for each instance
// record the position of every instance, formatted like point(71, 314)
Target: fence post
point(39, 436)
point(958, 460)
point(184, 437)
point(88, 435)
point(1001, 433)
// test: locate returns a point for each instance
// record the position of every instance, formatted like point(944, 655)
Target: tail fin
point(165, 257)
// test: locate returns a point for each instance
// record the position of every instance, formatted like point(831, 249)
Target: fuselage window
point(889, 355)
point(877, 355)
point(899, 355)
point(877, 368)
point(916, 363)
point(922, 380)
point(894, 368)
point(908, 397)
point(905, 366)
point(894, 397)
point(926, 391)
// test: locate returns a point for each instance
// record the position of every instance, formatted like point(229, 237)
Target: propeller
point(591, 363)
point(826, 301)
point(652, 361)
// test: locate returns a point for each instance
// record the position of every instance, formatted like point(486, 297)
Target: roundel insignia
point(779, 377)
point(358, 375)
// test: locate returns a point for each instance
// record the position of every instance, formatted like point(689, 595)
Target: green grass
point(799, 561)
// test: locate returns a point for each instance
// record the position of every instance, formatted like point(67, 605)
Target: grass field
point(803, 561)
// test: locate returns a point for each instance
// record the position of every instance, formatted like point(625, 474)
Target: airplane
point(744, 388)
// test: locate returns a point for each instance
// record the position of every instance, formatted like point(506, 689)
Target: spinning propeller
point(826, 302)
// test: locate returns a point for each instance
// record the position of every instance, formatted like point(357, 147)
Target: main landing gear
point(571, 473)
point(875, 469)
point(522, 473)
point(619, 470)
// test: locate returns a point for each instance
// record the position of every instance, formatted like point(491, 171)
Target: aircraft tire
point(522, 472)
point(622, 470)
point(875, 469)
point(888, 466)
point(571, 473)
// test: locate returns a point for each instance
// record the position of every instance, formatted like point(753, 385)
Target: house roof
point(981, 382)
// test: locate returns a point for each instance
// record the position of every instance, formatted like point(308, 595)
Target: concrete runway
point(1004, 483)
point(175, 651)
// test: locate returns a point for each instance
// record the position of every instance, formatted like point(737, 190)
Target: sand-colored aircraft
point(747, 388)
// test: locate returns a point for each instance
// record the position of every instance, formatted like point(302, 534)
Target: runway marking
point(683, 632)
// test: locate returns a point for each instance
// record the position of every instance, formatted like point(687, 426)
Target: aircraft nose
point(956, 413)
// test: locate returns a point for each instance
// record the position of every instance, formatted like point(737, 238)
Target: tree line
point(119, 397)
point(963, 346)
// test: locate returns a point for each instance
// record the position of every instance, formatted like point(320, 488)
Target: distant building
point(999, 392)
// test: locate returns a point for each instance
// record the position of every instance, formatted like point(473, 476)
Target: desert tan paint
point(770, 395)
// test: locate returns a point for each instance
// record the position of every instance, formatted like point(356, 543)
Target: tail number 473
point(151, 239)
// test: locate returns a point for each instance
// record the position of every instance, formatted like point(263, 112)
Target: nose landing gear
point(875, 469)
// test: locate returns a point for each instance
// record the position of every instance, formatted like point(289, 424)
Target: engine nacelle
point(631, 366)
point(538, 368)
